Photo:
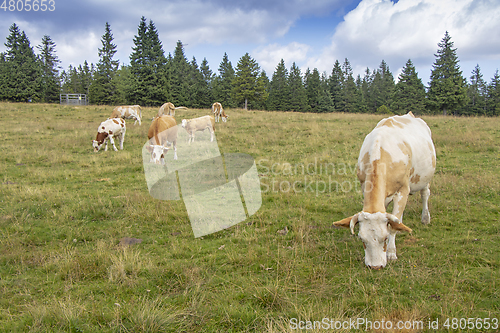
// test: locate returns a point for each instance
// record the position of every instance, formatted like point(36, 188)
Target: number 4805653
point(28, 5)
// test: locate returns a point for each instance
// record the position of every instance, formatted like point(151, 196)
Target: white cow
point(218, 111)
point(108, 130)
point(161, 134)
point(128, 112)
point(396, 159)
point(199, 124)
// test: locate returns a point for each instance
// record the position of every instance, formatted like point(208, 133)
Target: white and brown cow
point(396, 159)
point(168, 109)
point(199, 124)
point(218, 111)
point(109, 130)
point(161, 134)
point(128, 112)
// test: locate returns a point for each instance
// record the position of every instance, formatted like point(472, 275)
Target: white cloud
point(269, 56)
point(411, 29)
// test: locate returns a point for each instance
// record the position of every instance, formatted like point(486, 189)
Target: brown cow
point(168, 109)
point(161, 134)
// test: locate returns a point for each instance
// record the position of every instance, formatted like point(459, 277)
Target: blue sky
point(312, 33)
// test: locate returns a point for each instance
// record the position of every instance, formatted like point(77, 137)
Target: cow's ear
point(149, 148)
point(348, 222)
point(396, 224)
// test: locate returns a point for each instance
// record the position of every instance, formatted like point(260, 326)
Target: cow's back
point(406, 140)
point(163, 129)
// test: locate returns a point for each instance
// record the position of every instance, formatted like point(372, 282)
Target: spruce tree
point(313, 90)
point(349, 89)
point(207, 77)
point(3, 76)
point(140, 73)
point(180, 73)
point(476, 93)
point(279, 95)
point(493, 101)
point(409, 94)
point(335, 83)
point(297, 90)
point(447, 89)
point(223, 83)
point(22, 68)
point(50, 71)
point(245, 87)
point(102, 89)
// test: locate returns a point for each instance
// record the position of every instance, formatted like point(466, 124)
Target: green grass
point(64, 210)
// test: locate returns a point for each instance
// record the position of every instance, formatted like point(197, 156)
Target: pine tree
point(3, 76)
point(262, 92)
point(155, 57)
point(409, 94)
point(297, 90)
point(102, 89)
point(245, 87)
point(493, 101)
point(447, 89)
point(476, 93)
point(279, 95)
point(22, 68)
point(223, 84)
point(50, 71)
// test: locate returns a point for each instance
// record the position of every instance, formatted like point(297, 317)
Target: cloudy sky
point(311, 33)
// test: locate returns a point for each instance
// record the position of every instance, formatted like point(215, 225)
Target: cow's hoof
point(426, 218)
point(391, 255)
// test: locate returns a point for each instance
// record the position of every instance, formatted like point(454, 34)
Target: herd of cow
point(162, 132)
point(397, 159)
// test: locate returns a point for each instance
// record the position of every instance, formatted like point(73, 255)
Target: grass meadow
point(65, 209)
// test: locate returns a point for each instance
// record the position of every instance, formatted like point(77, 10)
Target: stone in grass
point(127, 241)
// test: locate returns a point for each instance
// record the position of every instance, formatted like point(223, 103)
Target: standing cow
point(161, 134)
point(128, 112)
point(109, 130)
point(199, 124)
point(218, 111)
point(396, 159)
point(168, 109)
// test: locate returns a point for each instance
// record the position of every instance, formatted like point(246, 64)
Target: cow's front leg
point(122, 139)
point(400, 198)
point(112, 142)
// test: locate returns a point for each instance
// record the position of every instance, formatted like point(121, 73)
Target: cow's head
point(374, 231)
point(184, 122)
point(98, 142)
point(157, 153)
point(224, 119)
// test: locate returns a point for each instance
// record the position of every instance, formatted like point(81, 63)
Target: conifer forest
point(33, 74)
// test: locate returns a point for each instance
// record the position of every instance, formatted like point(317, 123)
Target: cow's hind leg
point(426, 216)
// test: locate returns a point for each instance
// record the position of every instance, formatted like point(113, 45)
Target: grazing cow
point(128, 112)
point(218, 111)
point(168, 109)
point(161, 134)
point(199, 124)
point(396, 159)
point(110, 129)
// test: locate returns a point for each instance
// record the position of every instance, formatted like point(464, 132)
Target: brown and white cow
point(161, 134)
point(109, 130)
point(168, 109)
point(396, 159)
point(128, 112)
point(218, 111)
point(199, 124)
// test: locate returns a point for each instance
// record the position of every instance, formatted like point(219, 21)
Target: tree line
point(153, 78)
